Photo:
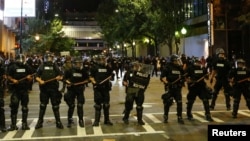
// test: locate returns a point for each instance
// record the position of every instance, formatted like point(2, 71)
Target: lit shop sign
point(14, 8)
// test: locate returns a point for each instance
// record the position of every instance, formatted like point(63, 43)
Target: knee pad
point(43, 106)
point(25, 109)
point(106, 105)
point(55, 107)
point(98, 107)
point(79, 105)
point(139, 107)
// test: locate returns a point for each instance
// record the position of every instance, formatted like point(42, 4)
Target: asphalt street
point(154, 129)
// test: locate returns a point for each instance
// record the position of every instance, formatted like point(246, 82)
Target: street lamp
point(21, 28)
point(183, 32)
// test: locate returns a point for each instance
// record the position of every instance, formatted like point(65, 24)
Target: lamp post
point(183, 32)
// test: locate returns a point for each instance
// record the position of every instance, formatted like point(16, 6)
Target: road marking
point(28, 133)
point(11, 134)
point(214, 118)
point(97, 129)
point(199, 118)
point(80, 131)
point(244, 113)
point(153, 118)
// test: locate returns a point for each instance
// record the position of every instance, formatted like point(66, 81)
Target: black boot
point(166, 110)
point(228, 105)
point(189, 109)
point(97, 114)
point(212, 105)
point(235, 108)
point(179, 113)
point(13, 123)
point(80, 115)
point(25, 111)
point(106, 114)
point(139, 110)
point(2, 120)
point(70, 115)
point(41, 115)
point(207, 110)
point(57, 117)
point(126, 116)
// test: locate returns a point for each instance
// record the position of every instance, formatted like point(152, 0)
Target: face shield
point(241, 64)
point(20, 58)
point(48, 58)
point(177, 62)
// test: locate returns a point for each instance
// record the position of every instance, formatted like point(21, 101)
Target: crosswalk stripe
point(28, 133)
point(199, 118)
point(153, 118)
point(214, 118)
point(244, 113)
point(80, 131)
point(97, 129)
point(11, 134)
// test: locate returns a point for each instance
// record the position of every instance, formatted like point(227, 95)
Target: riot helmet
point(240, 63)
point(220, 53)
point(48, 57)
point(20, 58)
point(77, 63)
point(101, 60)
point(197, 62)
point(175, 59)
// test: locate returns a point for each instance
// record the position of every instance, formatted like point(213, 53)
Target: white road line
point(80, 131)
point(11, 134)
point(28, 133)
point(214, 118)
point(199, 118)
point(244, 113)
point(153, 118)
point(97, 129)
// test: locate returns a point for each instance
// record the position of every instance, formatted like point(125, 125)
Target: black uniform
point(136, 83)
point(173, 73)
point(197, 87)
point(2, 115)
point(222, 67)
point(241, 86)
point(19, 75)
point(100, 73)
point(49, 73)
point(75, 90)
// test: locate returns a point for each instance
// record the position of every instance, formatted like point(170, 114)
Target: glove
point(96, 86)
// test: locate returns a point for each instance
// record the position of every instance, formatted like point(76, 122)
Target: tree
point(52, 38)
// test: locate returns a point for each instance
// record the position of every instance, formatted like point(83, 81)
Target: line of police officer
point(136, 81)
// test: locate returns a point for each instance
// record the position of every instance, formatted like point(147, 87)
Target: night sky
point(81, 5)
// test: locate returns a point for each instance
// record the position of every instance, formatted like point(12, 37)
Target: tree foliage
point(128, 20)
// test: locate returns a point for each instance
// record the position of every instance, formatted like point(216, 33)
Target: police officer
point(100, 76)
point(196, 73)
point(48, 75)
point(220, 69)
point(75, 78)
point(19, 75)
point(173, 77)
point(2, 81)
point(239, 78)
point(136, 82)
point(66, 66)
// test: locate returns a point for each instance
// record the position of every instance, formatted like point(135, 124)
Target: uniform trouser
point(16, 98)
point(55, 99)
point(138, 98)
point(202, 93)
point(238, 91)
point(176, 94)
point(2, 115)
point(70, 97)
point(218, 85)
point(102, 99)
